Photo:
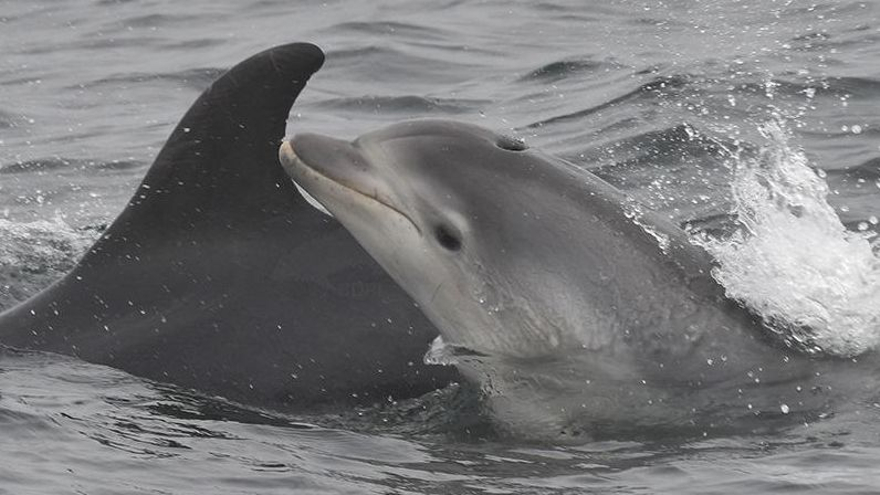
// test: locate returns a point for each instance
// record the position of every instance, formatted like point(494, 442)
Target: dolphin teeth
point(312, 201)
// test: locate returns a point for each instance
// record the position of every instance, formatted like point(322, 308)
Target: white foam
point(792, 260)
point(440, 353)
point(43, 244)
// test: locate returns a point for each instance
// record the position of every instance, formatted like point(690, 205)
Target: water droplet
point(856, 129)
point(784, 408)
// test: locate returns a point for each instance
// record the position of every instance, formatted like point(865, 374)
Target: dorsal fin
point(219, 277)
point(212, 165)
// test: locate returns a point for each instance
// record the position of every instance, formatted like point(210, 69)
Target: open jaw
point(322, 186)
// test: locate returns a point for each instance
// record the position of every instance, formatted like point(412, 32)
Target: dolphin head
point(456, 214)
point(575, 301)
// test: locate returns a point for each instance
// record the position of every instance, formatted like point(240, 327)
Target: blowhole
point(510, 143)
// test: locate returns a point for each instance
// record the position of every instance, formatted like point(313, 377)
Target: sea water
point(752, 123)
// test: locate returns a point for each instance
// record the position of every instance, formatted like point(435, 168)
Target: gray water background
point(648, 94)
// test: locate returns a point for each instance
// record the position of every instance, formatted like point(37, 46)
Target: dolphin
point(575, 309)
point(219, 277)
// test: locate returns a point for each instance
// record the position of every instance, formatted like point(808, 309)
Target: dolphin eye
point(447, 238)
point(511, 143)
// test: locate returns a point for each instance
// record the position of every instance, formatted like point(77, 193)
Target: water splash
point(792, 261)
point(33, 255)
point(41, 245)
point(440, 353)
point(634, 212)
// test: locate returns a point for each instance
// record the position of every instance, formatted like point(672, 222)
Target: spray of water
point(33, 255)
point(792, 261)
point(42, 245)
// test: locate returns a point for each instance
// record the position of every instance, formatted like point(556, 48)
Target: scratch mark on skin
point(436, 290)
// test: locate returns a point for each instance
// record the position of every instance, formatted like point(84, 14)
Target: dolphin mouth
point(311, 199)
point(304, 175)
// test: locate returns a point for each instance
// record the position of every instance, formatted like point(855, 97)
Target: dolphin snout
point(327, 155)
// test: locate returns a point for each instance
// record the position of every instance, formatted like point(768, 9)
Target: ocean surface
point(752, 123)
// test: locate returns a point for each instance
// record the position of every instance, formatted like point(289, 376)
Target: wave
point(561, 69)
point(193, 44)
point(383, 64)
point(792, 84)
point(158, 20)
point(402, 104)
point(390, 28)
point(197, 78)
point(853, 87)
point(867, 171)
point(676, 148)
point(59, 163)
point(659, 86)
point(822, 41)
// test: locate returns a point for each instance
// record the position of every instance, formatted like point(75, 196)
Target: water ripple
point(562, 69)
point(57, 163)
point(385, 64)
point(402, 104)
point(196, 78)
point(8, 120)
point(661, 86)
point(399, 29)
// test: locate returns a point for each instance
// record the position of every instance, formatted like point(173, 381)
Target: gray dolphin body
point(574, 308)
point(219, 277)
